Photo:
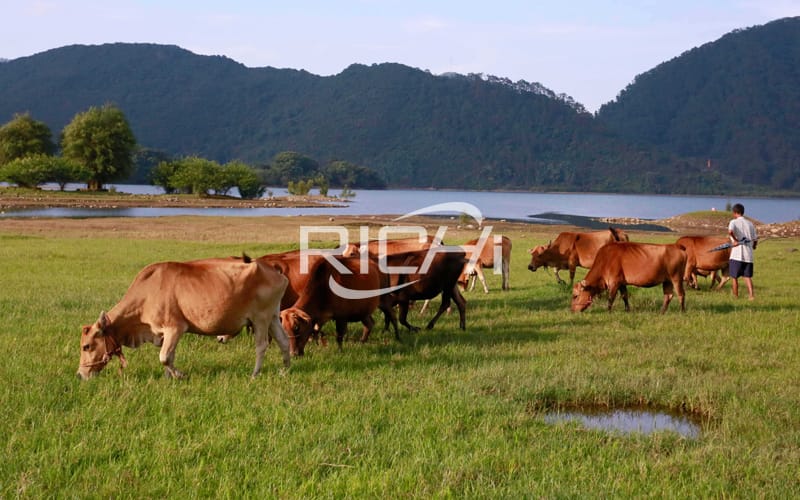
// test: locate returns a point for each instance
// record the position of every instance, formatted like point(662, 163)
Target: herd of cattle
point(271, 297)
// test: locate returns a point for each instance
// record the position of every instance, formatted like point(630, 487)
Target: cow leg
point(167, 353)
point(506, 271)
point(623, 291)
point(471, 279)
point(558, 278)
point(404, 316)
point(722, 282)
point(389, 316)
point(368, 323)
point(572, 269)
point(479, 273)
point(442, 308)
point(461, 303)
point(260, 335)
point(612, 294)
point(341, 329)
point(669, 290)
point(277, 332)
point(424, 307)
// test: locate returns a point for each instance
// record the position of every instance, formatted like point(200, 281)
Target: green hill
point(414, 128)
point(733, 103)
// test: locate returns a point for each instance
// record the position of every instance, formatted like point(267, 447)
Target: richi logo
point(385, 234)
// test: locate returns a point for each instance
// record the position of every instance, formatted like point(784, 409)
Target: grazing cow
point(486, 260)
point(424, 284)
point(318, 303)
point(206, 297)
point(640, 264)
point(700, 260)
point(570, 250)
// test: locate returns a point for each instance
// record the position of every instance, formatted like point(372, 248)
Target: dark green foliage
point(342, 173)
point(203, 177)
point(101, 140)
point(733, 104)
point(32, 171)
point(23, 136)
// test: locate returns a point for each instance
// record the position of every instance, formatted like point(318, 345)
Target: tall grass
point(444, 413)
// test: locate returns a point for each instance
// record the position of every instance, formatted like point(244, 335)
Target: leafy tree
point(300, 187)
point(32, 171)
point(25, 172)
point(196, 176)
point(290, 165)
point(63, 171)
point(103, 142)
point(342, 173)
point(161, 175)
point(244, 178)
point(23, 136)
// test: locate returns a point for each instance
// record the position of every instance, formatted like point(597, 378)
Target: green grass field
point(445, 413)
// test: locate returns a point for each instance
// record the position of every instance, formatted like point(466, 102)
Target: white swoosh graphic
point(348, 293)
point(450, 206)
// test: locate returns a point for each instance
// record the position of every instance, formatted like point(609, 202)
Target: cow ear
point(103, 320)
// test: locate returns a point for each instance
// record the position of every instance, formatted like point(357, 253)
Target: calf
point(486, 260)
point(322, 300)
point(702, 261)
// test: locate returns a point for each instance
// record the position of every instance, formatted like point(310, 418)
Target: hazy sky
point(589, 50)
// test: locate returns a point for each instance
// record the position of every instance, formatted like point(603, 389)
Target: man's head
point(738, 209)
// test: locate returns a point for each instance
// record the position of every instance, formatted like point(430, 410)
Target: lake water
point(495, 205)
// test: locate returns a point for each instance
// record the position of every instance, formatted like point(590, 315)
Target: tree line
point(98, 147)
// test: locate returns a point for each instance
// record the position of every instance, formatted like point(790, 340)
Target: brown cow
point(288, 263)
point(206, 297)
point(389, 247)
point(700, 260)
point(640, 264)
point(570, 250)
point(424, 284)
point(319, 303)
point(486, 260)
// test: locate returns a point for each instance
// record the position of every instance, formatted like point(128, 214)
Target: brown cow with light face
point(206, 297)
point(640, 264)
point(700, 260)
point(571, 250)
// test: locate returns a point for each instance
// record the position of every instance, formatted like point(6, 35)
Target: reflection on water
point(628, 421)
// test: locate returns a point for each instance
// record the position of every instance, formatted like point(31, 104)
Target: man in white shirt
point(744, 239)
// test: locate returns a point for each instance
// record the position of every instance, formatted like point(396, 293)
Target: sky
point(589, 50)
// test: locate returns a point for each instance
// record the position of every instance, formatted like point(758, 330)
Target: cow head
point(299, 326)
point(536, 261)
point(98, 347)
point(582, 295)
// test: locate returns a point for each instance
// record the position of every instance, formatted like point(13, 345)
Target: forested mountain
point(414, 128)
point(733, 103)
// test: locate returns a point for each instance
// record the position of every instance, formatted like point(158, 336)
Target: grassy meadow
point(445, 413)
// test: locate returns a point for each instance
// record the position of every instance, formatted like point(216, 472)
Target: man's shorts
point(739, 269)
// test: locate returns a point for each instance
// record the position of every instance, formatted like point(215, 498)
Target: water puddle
point(628, 421)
